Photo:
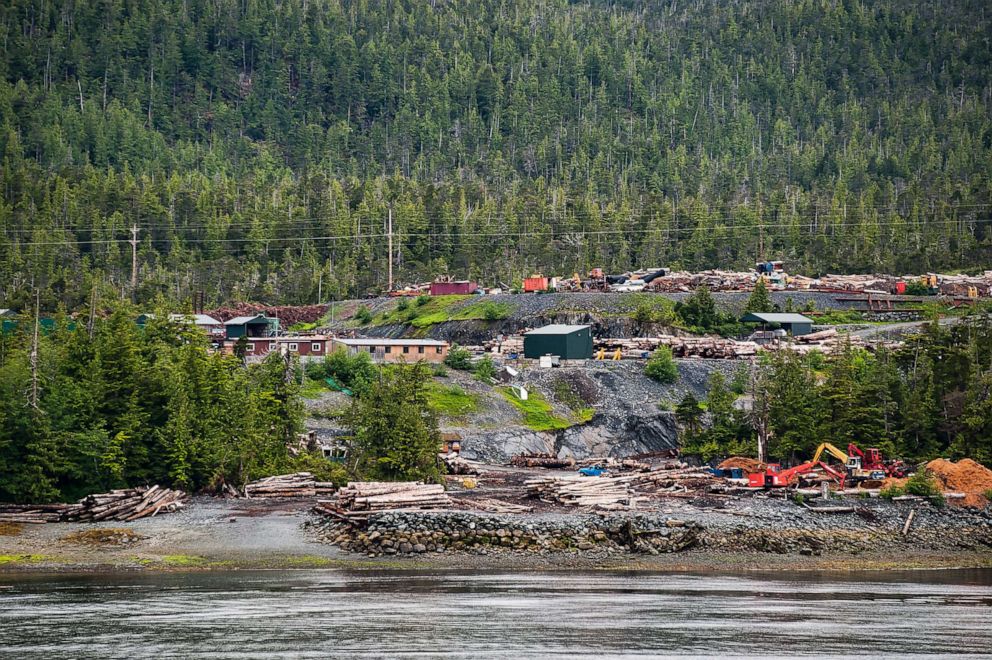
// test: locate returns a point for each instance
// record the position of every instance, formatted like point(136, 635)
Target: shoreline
point(231, 535)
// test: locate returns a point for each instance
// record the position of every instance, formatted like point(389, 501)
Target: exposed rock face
point(500, 446)
point(613, 435)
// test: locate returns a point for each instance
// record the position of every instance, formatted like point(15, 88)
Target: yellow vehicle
point(855, 469)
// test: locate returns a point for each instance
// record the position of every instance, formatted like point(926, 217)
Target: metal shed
point(258, 325)
point(795, 324)
point(569, 342)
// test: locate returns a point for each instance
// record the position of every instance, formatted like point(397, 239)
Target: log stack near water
point(298, 484)
point(32, 514)
point(360, 499)
point(125, 504)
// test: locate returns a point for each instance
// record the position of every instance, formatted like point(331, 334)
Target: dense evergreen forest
point(258, 147)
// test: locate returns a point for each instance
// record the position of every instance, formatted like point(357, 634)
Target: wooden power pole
point(134, 258)
point(389, 231)
point(34, 351)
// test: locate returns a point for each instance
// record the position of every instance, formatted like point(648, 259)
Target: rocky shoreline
point(767, 527)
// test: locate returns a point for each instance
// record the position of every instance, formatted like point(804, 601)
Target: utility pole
point(134, 258)
point(34, 351)
point(390, 232)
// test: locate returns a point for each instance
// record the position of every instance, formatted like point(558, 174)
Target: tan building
point(385, 349)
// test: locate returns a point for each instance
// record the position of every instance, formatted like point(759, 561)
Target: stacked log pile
point(613, 493)
point(459, 465)
point(126, 504)
point(542, 460)
point(360, 499)
point(299, 484)
point(32, 514)
point(704, 347)
point(614, 465)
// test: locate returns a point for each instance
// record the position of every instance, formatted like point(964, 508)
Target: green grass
point(301, 327)
point(312, 389)
point(838, 317)
point(184, 560)
point(441, 309)
point(22, 559)
point(537, 412)
point(451, 400)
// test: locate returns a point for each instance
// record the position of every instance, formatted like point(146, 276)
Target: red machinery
point(871, 461)
point(775, 477)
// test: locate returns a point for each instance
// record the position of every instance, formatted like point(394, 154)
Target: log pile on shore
point(299, 484)
point(125, 504)
point(32, 514)
point(614, 493)
point(542, 461)
point(360, 499)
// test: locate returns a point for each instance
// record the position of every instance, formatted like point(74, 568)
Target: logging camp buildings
point(258, 325)
point(384, 349)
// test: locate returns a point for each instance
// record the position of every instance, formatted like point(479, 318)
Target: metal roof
point(382, 341)
point(778, 318)
point(557, 329)
point(196, 319)
point(241, 320)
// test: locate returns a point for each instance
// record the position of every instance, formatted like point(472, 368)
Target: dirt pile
point(965, 476)
point(116, 536)
point(749, 465)
point(288, 314)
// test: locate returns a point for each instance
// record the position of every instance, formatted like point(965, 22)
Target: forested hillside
point(258, 146)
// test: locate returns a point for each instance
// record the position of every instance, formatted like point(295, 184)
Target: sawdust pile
point(966, 476)
point(747, 464)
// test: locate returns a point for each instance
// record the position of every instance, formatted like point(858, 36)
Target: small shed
point(795, 324)
point(459, 288)
point(569, 342)
point(258, 325)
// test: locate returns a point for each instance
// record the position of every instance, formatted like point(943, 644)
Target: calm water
point(331, 614)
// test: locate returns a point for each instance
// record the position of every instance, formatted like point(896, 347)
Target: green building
point(795, 325)
point(569, 342)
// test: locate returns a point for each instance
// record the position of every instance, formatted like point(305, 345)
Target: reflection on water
point(291, 614)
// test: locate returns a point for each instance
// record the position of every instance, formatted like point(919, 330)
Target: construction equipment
point(859, 466)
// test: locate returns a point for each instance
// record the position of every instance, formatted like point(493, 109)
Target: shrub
point(402, 305)
point(422, 300)
point(363, 315)
point(485, 370)
point(661, 366)
point(493, 312)
point(458, 358)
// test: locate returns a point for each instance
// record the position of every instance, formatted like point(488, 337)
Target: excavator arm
point(830, 449)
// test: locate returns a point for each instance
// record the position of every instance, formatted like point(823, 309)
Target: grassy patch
point(184, 560)
point(441, 309)
point(537, 412)
point(838, 317)
point(309, 561)
point(302, 327)
point(312, 389)
point(451, 400)
point(22, 559)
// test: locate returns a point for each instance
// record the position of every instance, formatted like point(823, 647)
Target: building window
point(250, 348)
point(272, 346)
point(406, 349)
point(293, 347)
point(420, 349)
point(315, 347)
point(439, 349)
point(389, 349)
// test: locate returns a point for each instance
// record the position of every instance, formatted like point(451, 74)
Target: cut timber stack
point(613, 492)
point(299, 484)
point(32, 514)
point(125, 505)
point(360, 499)
point(541, 460)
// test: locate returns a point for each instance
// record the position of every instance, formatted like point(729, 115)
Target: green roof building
point(569, 342)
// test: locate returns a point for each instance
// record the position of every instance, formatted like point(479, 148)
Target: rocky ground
point(610, 313)
point(707, 533)
point(752, 526)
